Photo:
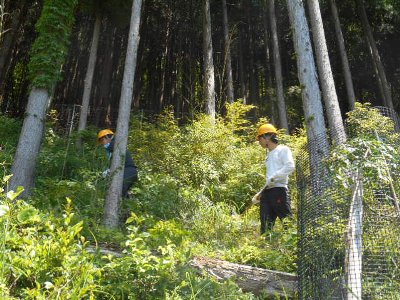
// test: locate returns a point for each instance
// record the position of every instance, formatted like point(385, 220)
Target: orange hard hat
point(266, 128)
point(103, 133)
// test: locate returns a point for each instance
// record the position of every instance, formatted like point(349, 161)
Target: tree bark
point(253, 80)
point(107, 66)
point(23, 168)
point(250, 279)
point(30, 138)
point(3, 13)
point(242, 71)
point(228, 63)
point(378, 66)
point(111, 216)
point(334, 116)
point(87, 89)
point(164, 64)
point(268, 69)
point(277, 67)
point(343, 57)
point(312, 106)
point(8, 39)
point(209, 79)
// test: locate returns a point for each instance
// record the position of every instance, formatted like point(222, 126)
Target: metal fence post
point(354, 242)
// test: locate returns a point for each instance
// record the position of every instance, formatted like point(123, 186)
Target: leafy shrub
point(41, 256)
point(368, 123)
point(156, 266)
point(215, 159)
point(9, 135)
point(195, 184)
point(9, 130)
point(371, 152)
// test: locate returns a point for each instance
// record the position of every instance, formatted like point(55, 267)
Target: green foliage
point(160, 194)
point(41, 256)
point(372, 153)
point(203, 175)
point(367, 123)
point(194, 181)
point(156, 266)
point(9, 134)
point(50, 47)
point(371, 147)
point(276, 251)
point(235, 119)
point(203, 156)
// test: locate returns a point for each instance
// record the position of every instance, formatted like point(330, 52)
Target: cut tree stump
point(249, 279)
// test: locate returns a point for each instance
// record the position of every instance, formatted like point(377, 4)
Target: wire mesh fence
point(349, 243)
point(387, 112)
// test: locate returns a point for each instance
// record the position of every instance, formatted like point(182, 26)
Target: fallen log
point(250, 279)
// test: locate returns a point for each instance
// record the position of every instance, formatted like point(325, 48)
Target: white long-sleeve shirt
point(280, 165)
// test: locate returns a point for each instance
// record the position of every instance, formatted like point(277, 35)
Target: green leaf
point(13, 195)
point(6, 178)
point(3, 210)
point(28, 214)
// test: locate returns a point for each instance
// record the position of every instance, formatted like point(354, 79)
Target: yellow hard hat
point(103, 133)
point(266, 128)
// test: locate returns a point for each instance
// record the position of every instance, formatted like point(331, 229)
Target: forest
point(184, 86)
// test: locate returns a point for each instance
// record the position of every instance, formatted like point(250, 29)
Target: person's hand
point(105, 173)
point(256, 198)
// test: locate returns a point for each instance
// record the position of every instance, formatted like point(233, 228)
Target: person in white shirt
point(273, 197)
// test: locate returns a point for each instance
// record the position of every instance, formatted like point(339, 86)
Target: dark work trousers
point(130, 177)
point(274, 203)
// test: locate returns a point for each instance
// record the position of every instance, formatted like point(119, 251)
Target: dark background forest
point(169, 64)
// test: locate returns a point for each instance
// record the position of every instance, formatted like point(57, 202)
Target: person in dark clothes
point(273, 197)
point(106, 138)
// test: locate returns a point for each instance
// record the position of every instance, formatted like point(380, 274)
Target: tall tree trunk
point(140, 64)
point(106, 73)
point(343, 57)
point(209, 77)
point(379, 69)
point(268, 69)
point(7, 44)
point(23, 168)
point(30, 138)
point(3, 14)
point(312, 106)
point(228, 63)
point(253, 80)
point(277, 67)
point(8, 39)
point(164, 64)
point(87, 89)
point(120, 47)
point(243, 89)
point(111, 218)
point(334, 116)
point(192, 78)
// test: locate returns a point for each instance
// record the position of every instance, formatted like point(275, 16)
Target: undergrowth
point(192, 198)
